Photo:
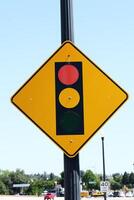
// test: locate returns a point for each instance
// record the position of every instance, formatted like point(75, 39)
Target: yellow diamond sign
point(69, 98)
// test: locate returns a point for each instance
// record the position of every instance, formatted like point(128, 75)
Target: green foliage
point(131, 180)
point(61, 179)
point(117, 177)
point(40, 182)
point(119, 181)
point(90, 180)
point(115, 185)
point(3, 189)
point(125, 179)
point(18, 177)
point(116, 181)
point(36, 187)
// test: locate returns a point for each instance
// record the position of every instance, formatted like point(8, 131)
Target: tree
point(115, 185)
point(36, 187)
point(61, 179)
point(18, 177)
point(6, 180)
point(51, 176)
point(49, 184)
point(117, 177)
point(3, 189)
point(82, 173)
point(116, 181)
point(90, 180)
point(125, 178)
point(131, 179)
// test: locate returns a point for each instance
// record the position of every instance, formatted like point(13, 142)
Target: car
point(84, 193)
point(116, 194)
point(44, 192)
point(61, 192)
point(121, 194)
point(49, 196)
point(129, 194)
point(110, 194)
point(97, 193)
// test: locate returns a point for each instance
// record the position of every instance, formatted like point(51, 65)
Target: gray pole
point(103, 157)
point(71, 165)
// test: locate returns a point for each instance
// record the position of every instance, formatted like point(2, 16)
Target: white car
point(121, 194)
point(129, 194)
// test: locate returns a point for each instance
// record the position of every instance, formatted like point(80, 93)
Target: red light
point(68, 74)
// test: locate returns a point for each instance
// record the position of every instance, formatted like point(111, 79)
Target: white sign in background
point(104, 186)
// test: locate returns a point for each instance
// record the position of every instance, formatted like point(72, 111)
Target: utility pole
point(103, 158)
point(71, 165)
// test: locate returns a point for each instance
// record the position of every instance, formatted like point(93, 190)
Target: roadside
point(11, 197)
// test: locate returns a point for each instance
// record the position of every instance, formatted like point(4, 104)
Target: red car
point(49, 196)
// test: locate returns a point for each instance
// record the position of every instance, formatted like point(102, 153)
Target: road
point(9, 197)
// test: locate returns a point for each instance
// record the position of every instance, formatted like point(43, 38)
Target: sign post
point(103, 183)
point(71, 165)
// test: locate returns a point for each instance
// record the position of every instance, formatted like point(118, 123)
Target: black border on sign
point(58, 136)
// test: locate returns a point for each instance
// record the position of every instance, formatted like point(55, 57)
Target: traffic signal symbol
point(69, 98)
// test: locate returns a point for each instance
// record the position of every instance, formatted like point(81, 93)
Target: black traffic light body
point(69, 119)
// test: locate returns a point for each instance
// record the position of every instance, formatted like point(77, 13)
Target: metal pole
point(71, 178)
point(66, 20)
point(103, 157)
point(71, 165)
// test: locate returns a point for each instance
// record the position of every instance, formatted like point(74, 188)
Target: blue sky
point(30, 33)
